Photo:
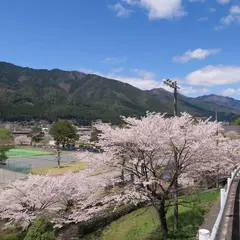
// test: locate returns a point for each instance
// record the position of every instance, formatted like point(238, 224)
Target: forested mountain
point(27, 93)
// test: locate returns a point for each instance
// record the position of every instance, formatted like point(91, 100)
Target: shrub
point(13, 236)
point(41, 229)
point(14, 233)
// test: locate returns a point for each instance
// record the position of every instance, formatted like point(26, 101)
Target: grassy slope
point(144, 223)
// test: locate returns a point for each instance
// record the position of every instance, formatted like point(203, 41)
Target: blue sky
point(140, 42)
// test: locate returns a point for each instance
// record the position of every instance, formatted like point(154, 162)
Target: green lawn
point(144, 223)
point(26, 152)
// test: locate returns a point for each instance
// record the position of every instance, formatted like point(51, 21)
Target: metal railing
point(205, 234)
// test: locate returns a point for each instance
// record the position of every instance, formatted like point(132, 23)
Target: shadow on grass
point(64, 166)
point(189, 222)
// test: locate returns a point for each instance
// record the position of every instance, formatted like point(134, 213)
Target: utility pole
point(216, 114)
point(175, 98)
point(173, 84)
point(216, 119)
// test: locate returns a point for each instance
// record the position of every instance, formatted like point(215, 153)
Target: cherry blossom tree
point(96, 162)
point(67, 198)
point(218, 160)
point(22, 139)
point(157, 151)
point(40, 194)
point(152, 146)
point(231, 134)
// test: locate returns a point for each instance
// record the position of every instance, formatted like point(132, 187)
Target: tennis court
point(26, 152)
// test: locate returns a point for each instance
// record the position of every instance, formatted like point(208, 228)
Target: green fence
point(17, 166)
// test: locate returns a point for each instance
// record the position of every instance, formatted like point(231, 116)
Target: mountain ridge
point(28, 93)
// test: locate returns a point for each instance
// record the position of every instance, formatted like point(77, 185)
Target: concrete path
point(236, 214)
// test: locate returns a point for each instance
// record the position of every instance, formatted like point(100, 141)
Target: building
point(84, 133)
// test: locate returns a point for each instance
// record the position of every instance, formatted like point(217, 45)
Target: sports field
point(27, 152)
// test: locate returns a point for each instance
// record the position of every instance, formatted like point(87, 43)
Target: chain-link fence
point(13, 170)
point(17, 166)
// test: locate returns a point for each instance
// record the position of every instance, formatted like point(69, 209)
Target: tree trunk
point(123, 172)
point(132, 177)
point(217, 181)
point(176, 204)
point(58, 156)
point(163, 221)
point(175, 187)
point(122, 175)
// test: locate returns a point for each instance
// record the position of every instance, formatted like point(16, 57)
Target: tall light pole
point(173, 84)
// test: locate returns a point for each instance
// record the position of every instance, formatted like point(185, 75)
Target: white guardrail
point(205, 234)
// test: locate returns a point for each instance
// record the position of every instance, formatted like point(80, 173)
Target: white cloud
point(212, 10)
point(159, 9)
point(114, 60)
point(117, 70)
point(130, 2)
point(202, 1)
point(120, 10)
point(190, 90)
point(199, 54)
point(223, 1)
point(235, 9)
point(144, 84)
point(232, 17)
point(214, 75)
point(144, 74)
point(231, 91)
point(201, 19)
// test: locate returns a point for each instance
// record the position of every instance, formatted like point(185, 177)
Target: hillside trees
point(5, 144)
point(237, 121)
point(49, 94)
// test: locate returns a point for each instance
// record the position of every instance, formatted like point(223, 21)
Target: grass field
point(54, 170)
point(27, 152)
point(144, 223)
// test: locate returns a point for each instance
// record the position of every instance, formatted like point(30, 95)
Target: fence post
point(228, 183)
point(203, 234)
point(222, 198)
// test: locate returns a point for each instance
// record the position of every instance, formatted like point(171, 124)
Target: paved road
point(236, 219)
point(43, 160)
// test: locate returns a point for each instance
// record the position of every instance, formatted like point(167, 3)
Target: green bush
point(12, 234)
point(41, 229)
